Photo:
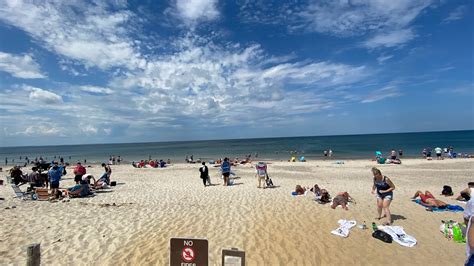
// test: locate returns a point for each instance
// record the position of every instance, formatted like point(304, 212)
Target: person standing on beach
point(6, 161)
point(106, 175)
point(205, 174)
point(383, 187)
point(400, 153)
point(393, 154)
point(79, 171)
point(330, 153)
point(54, 175)
point(225, 167)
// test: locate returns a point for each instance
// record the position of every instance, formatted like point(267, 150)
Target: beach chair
point(42, 194)
point(18, 193)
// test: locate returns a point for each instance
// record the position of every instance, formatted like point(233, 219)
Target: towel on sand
point(451, 208)
point(399, 236)
point(344, 227)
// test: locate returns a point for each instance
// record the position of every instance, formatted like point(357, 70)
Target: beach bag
point(447, 191)
point(381, 235)
point(269, 182)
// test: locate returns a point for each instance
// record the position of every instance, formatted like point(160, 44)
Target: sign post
point(233, 257)
point(189, 252)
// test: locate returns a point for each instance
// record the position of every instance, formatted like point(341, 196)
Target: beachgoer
point(262, 174)
point(79, 171)
point(34, 177)
point(384, 187)
point(341, 199)
point(6, 161)
point(330, 153)
point(466, 194)
point(438, 152)
point(225, 167)
point(54, 175)
point(106, 175)
point(168, 161)
point(470, 243)
point(429, 200)
point(17, 175)
point(300, 190)
point(393, 154)
point(204, 174)
point(424, 153)
point(325, 153)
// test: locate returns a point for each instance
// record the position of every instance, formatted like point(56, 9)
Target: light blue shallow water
point(344, 147)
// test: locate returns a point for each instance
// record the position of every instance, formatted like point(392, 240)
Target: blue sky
point(138, 71)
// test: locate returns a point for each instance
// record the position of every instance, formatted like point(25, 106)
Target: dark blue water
point(343, 147)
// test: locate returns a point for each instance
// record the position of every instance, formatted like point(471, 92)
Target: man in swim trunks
point(429, 200)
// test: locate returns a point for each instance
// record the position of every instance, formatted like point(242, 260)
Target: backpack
point(269, 182)
point(447, 191)
point(381, 235)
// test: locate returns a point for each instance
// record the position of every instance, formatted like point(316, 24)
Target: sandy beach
point(132, 223)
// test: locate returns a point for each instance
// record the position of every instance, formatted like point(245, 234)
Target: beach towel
point(450, 208)
point(399, 236)
point(344, 228)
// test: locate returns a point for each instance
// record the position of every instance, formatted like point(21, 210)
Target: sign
point(189, 252)
point(233, 257)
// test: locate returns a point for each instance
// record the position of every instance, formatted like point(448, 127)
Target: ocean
point(343, 147)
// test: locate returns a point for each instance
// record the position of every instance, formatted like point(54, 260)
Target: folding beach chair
point(18, 193)
point(42, 193)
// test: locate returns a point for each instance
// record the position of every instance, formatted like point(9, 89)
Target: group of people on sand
point(441, 153)
point(392, 157)
point(225, 169)
point(151, 164)
point(42, 176)
point(382, 188)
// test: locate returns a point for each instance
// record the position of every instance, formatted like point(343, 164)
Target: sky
point(76, 72)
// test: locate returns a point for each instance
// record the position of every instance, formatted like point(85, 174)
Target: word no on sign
point(189, 252)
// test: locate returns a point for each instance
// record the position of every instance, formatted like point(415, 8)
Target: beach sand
point(271, 226)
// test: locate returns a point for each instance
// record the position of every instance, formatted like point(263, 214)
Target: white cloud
point(339, 18)
point(384, 18)
point(381, 59)
point(196, 10)
point(89, 129)
point(44, 130)
point(380, 94)
point(206, 79)
point(43, 96)
point(20, 66)
point(390, 39)
point(88, 33)
point(95, 89)
point(457, 14)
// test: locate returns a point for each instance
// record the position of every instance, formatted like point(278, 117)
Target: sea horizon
point(249, 138)
point(354, 146)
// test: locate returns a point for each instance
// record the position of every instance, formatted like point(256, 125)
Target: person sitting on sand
point(342, 199)
point(466, 194)
point(79, 190)
point(321, 194)
point(384, 188)
point(429, 200)
point(17, 175)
